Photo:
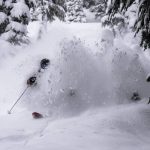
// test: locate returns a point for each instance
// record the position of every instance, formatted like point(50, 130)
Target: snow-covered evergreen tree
point(88, 3)
point(47, 10)
point(75, 11)
point(142, 23)
point(15, 16)
point(50, 9)
point(5, 7)
point(99, 8)
point(121, 21)
point(20, 17)
point(118, 24)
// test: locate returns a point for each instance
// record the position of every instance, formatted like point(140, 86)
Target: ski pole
point(9, 112)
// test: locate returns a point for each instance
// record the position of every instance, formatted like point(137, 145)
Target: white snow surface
point(23, 10)
point(84, 94)
point(18, 27)
point(3, 17)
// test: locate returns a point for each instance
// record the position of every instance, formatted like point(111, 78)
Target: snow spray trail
point(79, 79)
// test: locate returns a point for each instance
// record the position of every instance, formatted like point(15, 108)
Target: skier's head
point(31, 81)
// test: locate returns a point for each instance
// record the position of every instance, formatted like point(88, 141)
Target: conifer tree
point(47, 10)
point(75, 11)
point(20, 17)
point(142, 23)
point(15, 15)
point(5, 7)
point(99, 8)
point(118, 23)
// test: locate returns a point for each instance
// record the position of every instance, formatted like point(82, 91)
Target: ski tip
point(9, 112)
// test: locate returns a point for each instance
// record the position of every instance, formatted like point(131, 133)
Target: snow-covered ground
point(84, 94)
point(123, 127)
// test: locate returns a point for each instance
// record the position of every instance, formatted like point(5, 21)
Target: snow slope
point(123, 127)
point(84, 94)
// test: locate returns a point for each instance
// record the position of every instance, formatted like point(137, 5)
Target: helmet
point(44, 63)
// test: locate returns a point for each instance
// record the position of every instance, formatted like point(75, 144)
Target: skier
point(32, 81)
